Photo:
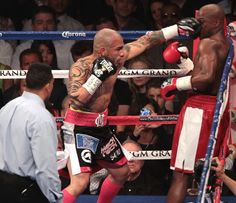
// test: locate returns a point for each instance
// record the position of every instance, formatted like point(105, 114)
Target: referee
point(28, 143)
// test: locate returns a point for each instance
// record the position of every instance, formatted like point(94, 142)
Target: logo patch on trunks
point(84, 141)
point(86, 156)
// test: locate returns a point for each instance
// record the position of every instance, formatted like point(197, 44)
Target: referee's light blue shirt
point(28, 143)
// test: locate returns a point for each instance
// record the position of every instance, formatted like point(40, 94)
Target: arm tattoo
point(157, 37)
point(147, 40)
point(78, 75)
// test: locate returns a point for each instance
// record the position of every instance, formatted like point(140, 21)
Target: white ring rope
point(62, 156)
point(21, 74)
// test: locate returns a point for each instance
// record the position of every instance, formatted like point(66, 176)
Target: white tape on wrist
point(184, 83)
point(170, 32)
point(186, 64)
point(92, 84)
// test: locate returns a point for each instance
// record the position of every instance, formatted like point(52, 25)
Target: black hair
point(154, 82)
point(48, 43)
point(43, 9)
point(152, 102)
point(104, 19)
point(79, 47)
point(38, 75)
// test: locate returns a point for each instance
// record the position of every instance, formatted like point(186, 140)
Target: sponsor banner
point(20, 74)
point(151, 155)
point(152, 73)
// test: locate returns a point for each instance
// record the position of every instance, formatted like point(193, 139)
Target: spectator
point(106, 7)
point(64, 22)
point(154, 8)
point(138, 84)
point(59, 92)
point(170, 14)
point(81, 49)
point(154, 137)
point(153, 91)
point(165, 107)
point(226, 172)
point(120, 105)
point(47, 50)
point(44, 19)
point(124, 13)
point(27, 174)
point(140, 180)
point(27, 58)
point(106, 22)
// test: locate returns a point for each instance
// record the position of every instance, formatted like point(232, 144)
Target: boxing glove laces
point(101, 70)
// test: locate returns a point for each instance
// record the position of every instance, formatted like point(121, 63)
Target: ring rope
point(66, 35)
point(137, 120)
point(62, 156)
point(21, 74)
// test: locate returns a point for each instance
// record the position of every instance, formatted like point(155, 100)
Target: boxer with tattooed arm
point(87, 137)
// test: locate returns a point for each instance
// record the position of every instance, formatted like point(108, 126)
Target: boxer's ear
point(102, 51)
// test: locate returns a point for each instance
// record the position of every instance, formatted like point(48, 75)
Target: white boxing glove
point(185, 62)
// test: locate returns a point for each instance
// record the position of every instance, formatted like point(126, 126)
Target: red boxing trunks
point(192, 132)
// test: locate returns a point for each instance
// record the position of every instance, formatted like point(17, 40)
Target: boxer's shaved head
point(214, 11)
point(211, 17)
point(104, 38)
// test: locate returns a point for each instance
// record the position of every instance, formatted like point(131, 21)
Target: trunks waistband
point(86, 118)
point(200, 99)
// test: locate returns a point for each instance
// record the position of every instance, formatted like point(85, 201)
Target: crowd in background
point(130, 95)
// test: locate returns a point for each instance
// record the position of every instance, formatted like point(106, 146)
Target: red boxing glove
point(168, 89)
point(171, 85)
point(171, 54)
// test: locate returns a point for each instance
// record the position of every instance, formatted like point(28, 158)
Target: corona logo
point(68, 34)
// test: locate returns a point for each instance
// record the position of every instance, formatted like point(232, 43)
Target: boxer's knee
point(79, 182)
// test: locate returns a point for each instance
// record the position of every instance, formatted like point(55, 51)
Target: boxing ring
point(128, 120)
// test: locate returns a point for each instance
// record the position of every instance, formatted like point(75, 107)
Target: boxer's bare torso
point(212, 51)
point(79, 73)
